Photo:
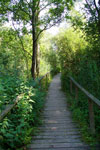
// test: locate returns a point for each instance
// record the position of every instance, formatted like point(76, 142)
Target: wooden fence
point(15, 101)
point(91, 101)
point(45, 76)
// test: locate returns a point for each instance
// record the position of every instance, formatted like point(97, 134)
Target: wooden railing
point(45, 76)
point(10, 107)
point(91, 101)
point(15, 101)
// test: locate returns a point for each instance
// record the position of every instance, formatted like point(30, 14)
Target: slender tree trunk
point(35, 14)
point(33, 60)
point(37, 45)
point(37, 60)
point(34, 44)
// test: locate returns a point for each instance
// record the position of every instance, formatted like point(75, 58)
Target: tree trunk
point(99, 22)
point(33, 60)
point(35, 67)
point(34, 44)
point(37, 60)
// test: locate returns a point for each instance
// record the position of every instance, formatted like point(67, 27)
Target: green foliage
point(15, 64)
point(80, 59)
point(92, 26)
point(69, 45)
point(16, 128)
point(79, 108)
point(27, 17)
point(13, 59)
point(49, 56)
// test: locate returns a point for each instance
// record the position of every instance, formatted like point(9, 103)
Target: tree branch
point(26, 12)
point(38, 3)
point(89, 6)
point(91, 10)
point(96, 7)
point(46, 28)
point(44, 7)
point(21, 40)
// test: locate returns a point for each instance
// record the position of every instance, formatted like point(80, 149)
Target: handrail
point(44, 76)
point(15, 101)
point(9, 107)
point(89, 95)
point(91, 100)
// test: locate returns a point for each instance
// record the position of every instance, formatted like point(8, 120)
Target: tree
point(88, 19)
point(92, 9)
point(12, 59)
point(34, 16)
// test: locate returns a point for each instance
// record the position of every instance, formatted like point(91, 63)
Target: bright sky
point(54, 30)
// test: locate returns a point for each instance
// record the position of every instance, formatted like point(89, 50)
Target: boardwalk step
point(62, 148)
point(60, 125)
point(55, 145)
point(58, 128)
point(56, 136)
point(55, 129)
point(52, 140)
point(58, 131)
point(61, 122)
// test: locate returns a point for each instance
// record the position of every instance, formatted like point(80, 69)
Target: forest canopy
point(34, 17)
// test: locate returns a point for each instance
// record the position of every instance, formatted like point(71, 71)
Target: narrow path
point(59, 132)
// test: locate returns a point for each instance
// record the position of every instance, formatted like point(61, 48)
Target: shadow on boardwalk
point(59, 132)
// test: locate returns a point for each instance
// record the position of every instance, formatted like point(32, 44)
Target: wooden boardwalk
point(59, 131)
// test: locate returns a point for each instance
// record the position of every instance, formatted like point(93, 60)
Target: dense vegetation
point(15, 129)
point(34, 17)
point(15, 79)
point(79, 56)
point(26, 53)
point(79, 60)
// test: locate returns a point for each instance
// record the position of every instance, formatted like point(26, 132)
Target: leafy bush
point(15, 129)
point(81, 60)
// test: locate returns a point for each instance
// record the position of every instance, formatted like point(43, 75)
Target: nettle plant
point(15, 129)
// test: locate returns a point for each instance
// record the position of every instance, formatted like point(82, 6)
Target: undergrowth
point(24, 118)
point(80, 113)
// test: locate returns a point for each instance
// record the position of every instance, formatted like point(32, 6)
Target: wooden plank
point(39, 81)
point(46, 80)
point(10, 107)
point(58, 129)
point(44, 76)
point(91, 116)
point(90, 96)
point(76, 93)
point(71, 86)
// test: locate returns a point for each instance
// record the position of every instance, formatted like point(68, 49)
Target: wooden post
point(40, 84)
point(46, 80)
point(71, 86)
point(91, 116)
point(76, 93)
point(49, 76)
